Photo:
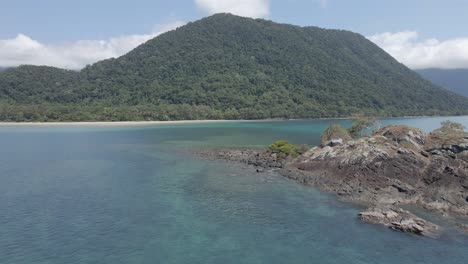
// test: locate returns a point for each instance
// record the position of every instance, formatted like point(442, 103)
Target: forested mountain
point(230, 67)
point(455, 80)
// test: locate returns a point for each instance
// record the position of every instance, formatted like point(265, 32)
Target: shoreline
point(113, 124)
point(177, 122)
point(181, 122)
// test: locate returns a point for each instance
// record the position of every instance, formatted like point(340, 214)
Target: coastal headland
point(386, 170)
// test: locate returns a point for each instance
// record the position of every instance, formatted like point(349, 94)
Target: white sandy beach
point(110, 124)
point(181, 122)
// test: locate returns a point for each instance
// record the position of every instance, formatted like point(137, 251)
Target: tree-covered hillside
point(455, 80)
point(230, 67)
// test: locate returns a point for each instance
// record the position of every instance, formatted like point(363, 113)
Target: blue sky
point(416, 30)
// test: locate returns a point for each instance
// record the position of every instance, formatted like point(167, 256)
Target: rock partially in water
point(463, 228)
point(259, 159)
point(399, 220)
point(394, 166)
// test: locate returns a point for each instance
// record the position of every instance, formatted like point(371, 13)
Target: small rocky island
point(385, 170)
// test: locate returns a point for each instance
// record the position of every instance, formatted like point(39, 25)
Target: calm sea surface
point(136, 195)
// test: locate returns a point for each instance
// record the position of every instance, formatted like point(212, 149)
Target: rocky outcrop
point(396, 165)
point(399, 220)
point(259, 159)
point(393, 166)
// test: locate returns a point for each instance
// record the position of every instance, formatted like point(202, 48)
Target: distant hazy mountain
point(3, 68)
point(230, 67)
point(455, 80)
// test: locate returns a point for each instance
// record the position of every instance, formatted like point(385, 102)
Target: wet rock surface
point(259, 159)
point(399, 220)
point(463, 228)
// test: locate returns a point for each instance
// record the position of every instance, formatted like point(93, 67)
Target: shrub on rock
point(284, 149)
point(334, 133)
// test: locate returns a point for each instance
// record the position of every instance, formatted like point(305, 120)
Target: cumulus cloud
point(248, 8)
point(416, 53)
point(75, 55)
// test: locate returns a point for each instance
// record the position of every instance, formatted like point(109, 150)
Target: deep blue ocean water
point(136, 195)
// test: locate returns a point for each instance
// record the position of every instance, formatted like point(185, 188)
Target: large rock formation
point(394, 166)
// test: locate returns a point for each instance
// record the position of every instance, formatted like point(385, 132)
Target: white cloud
point(75, 55)
point(248, 8)
point(416, 53)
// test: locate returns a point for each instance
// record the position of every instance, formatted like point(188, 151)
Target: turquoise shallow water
point(135, 195)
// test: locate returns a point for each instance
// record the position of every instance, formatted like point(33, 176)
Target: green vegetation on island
point(357, 129)
point(229, 67)
point(284, 149)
